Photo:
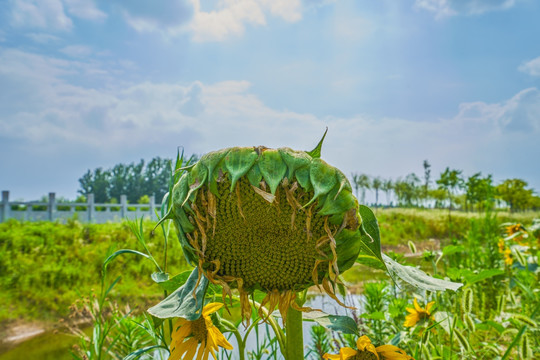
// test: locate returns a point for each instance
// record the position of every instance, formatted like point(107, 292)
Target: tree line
point(450, 190)
point(137, 181)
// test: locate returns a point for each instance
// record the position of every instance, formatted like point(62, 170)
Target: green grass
point(46, 266)
point(398, 226)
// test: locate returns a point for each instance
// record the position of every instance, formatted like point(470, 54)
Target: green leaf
point(123, 251)
point(137, 353)
point(238, 161)
point(377, 315)
point(316, 153)
point(484, 274)
point(186, 302)
point(273, 168)
point(371, 261)
point(490, 324)
point(178, 280)
point(417, 277)
point(175, 282)
point(160, 277)
point(371, 238)
point(344, 324)
point(452, 249)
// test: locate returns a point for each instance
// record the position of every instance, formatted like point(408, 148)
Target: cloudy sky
point(93, 83)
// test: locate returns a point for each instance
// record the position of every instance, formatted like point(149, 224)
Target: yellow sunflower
point(513, 229)
point(367, 351)
point(417, 313)
point(502, 246)
point(507, 257)
point(187, 335)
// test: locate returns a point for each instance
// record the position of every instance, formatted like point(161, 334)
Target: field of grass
point(398, 226)
point(46, 266)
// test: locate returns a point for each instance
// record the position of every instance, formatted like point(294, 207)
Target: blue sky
point(85, 84)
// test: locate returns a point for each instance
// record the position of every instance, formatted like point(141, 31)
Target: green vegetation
point(46, 266)
point(495, 315)
point(401, 225)
point(452, 191)
point(133, 180)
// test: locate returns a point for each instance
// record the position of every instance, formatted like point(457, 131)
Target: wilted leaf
point(186, 302)
point(417, 277)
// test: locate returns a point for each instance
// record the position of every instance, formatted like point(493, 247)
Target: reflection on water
point(51, 346)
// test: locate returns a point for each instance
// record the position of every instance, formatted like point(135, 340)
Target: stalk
point(294, 333)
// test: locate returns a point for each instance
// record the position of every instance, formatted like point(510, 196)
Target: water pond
point(57, 346)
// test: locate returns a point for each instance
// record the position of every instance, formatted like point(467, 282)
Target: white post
point(5, 206)
point(152, 206)
point(29, 212)
point(123, 204)
point(90, 207)
point(51, 208)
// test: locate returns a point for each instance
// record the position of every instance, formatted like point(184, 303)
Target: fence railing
point(88, 211)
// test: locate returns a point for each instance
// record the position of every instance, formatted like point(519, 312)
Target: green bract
point(276, 220)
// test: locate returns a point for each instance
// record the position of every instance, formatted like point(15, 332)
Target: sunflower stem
point(294, 333)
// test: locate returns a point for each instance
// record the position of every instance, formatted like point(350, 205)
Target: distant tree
point(156, 176)
point(515, 194)
point(355, 184)
point(135, 185)
point(86, 182)
point(439, 195)
point(387, 187)
point(480, 191)
point(118, 181)
point(535, 202)
point(134, 180)
point(407, 190)
point(427, 180)
point(97, 183)
point(364, 183)
point(450, 181)
point(427, 174)
point(376, 185)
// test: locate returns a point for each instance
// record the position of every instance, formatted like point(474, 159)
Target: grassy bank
point(46, 266)
point(398, 226)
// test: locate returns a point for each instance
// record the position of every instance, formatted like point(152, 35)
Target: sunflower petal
point(220, 339)
point(416, 306)
point(211, 308)
point(332, 356)
point(429, 306)
point(391, 352)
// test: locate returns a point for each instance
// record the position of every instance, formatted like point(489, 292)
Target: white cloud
point(531, 67)
point(444, 8)
point(45, 14)
point(231, 16)
point(77, 51)
point(520, 113)
point(228, 18)
point(43, 38)
point(84, 9)
point(52, 14)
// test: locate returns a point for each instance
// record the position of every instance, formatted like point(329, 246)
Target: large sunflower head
point(276, 220)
